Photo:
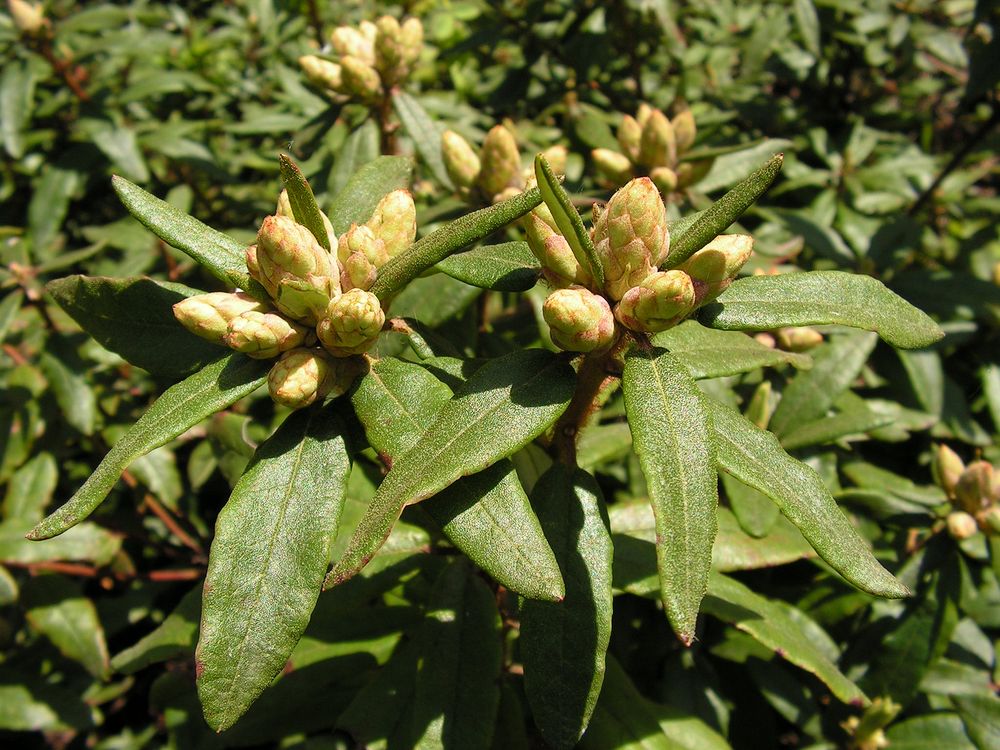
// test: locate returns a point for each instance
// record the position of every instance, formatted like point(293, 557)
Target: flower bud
point(612, 166)
point(991, 517)
point(303, 376)
point(360, 79)
point(411, 40)
point(631, 237)
point(369, 31)
point(579, 320)
point(657, 146)
point(284, 206)
point(758, 410)
point(714, 267)
point(974, 488)
point(665, 179)
point(798, 338)
point(501, 162)
point(643, 114)
point(362, 240)
point(684, 130)
point(358, 272)
point(460, 160)
point(961, 525)
point(352, 323)
point(208, 315)
point(263, 335)
point(322, 73)
point(28, 18)
point(556, 156)
point(559, 264)
point(350, 42)
point(388, 50)
point(947, 467)
point(660, 302)
point(691, 172)
point(297, 272)
point(394, 222)
point(629, 137)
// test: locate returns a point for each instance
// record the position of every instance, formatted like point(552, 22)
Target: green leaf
point(172, 638)
point(30, 489)
point(56, 607)
point(507, 267)
point(33, 704)
point(770, 623)
point(981, 716)
point(270, 552)
point(86, 542)
point(568, 220)
point(457, 688)
point(356, 203)
point(937, 731)
point(755, 511)
point(670, 432)
point(218, 252)
point(77, 400)
point(708, 353)
point(807, 20)
point(623, 719)
point(9, 591)
point(119, 144)
point(716, 219)
point(810, 394)
point(756, 459)
point(212, 389)
point(563, 644)
point(486, 515)
point(424, 132)
point(359, 148)
point(134, 317)
point(17, 89)
point(763, 303)
point(9, 308)
point(507, 403)
point(438, 245)
point(305, 210)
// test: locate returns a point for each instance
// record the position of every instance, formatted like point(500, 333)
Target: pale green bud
point(208, 315)
point(759, 409)
point(629, 137)
point(974, 488)
point(579, 320)
point(411, 39)
point(358, 272)
point(992, 519)
point(322, 73)
point(612, 166)
point(961, 525)
point(460, 160)
point(253, 267)
point(691, 172)
point(28, 18)
point(330, 236)
point(284, 206)
point(631, 237)
point(352, 323)
point(369, 31)
point(349, 42)
point(360, 79)
point(798, 338)
point(263, 335)
point(714, 267)
point(559, 264)
point(362, 240)
point(657, 146)
point(394, 222)
point(665, 179)
point(556, 156)
point(660, 302)
point(388, 51)
point(684, 130)
point(302, 377)
point(500, 160)
point(643, 114)
point(947, 467)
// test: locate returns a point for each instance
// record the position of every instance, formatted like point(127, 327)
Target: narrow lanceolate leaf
point(708, 353)
point(360, 147)
point(174, 637)
point(486, 515)
point(756, 459)
point(181, 406)
point(271, 548)
point(218, 252)
point(425, 134)
point(507, 267)
point(671, 432)
point(17, 87)
point(568, 219)
point(503, 407)
point(56, 607)
point(761, 303)
point(457, 689)
point(357, 201)
point(438, 245)
point(810, 394)
point(770, 623)
point(134, 317)
point(563, 644)
point(305, 210)
point(717, 218)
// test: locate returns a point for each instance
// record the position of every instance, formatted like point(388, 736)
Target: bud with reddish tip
point(974, 488)
point(947, 467)
point(348, 42)
point(361, 254)
point(798, 338)
point(394, 222)
point(360, 79)
point(614, 167)
point(714, 267)
point(961, 525)
point(208, 315)
point(579, 320)
point(500, 160)
point(684, 130)
point(660, 302)
point(263, 335)
point(631, 237)
point(460, 160)
point(559, 265)
point(352, 323)
point(657, 146)
point(302, 377)
point(665, 179)
point(629, 137)
point(322, 73)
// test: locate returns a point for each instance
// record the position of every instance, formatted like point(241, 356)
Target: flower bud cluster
point(29, 18)
point(370, 59)
point(652, 145)
point(973, 490)
point(495, 173)
point(632, 242)
point(320, 315)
